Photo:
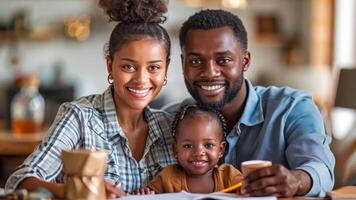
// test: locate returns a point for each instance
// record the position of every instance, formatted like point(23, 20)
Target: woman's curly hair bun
point(135, 11)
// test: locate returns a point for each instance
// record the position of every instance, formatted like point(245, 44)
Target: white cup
point(249, 166)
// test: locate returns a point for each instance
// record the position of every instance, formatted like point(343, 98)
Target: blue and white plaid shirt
point(90, 122)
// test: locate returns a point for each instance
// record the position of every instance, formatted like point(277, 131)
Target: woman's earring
point(110, 79)
point(165, 81)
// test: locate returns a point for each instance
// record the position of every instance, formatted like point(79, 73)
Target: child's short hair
point(193, 109)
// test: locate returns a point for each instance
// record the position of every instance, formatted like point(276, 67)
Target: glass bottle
point(27, 107)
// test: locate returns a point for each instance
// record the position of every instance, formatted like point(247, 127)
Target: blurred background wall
point(81, 63)
point(297, 43)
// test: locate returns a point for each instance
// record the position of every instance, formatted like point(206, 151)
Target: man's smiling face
point(213, 65)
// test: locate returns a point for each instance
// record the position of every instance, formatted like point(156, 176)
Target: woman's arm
point(57, 189)
point(32, 183)
point(45, 163)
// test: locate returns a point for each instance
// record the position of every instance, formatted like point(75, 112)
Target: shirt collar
point(253, 112)
point(154, 127)
point(110, 113)
point(111, 124)
point(109, 106)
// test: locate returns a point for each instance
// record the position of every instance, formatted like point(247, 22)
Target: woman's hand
point(113, 191)
point(143, 191)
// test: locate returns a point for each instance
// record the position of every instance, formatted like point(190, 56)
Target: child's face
point(199, 144)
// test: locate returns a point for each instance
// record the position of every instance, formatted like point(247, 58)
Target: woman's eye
point(187, 146)
point(154, 68)
point(128, 67)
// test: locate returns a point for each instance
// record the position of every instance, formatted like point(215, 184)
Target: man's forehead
point(217, 40)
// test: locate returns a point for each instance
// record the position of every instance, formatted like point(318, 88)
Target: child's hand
point(239, 192)
point(143, 191)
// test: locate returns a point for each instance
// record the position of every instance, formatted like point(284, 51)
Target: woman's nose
point(141, 76)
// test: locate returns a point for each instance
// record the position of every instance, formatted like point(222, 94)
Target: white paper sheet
point(193, 196)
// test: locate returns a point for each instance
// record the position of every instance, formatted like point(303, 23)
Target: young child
point(199, 134)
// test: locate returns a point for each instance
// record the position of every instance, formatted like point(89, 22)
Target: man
point(282, 125)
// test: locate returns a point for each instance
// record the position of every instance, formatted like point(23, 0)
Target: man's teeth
point(211, 87)
point(139, 91)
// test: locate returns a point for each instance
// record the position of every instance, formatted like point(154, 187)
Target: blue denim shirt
point(282, 125)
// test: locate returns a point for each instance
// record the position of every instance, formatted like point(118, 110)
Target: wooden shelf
point(40, 34)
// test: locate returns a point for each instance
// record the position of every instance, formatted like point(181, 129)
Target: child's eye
point(209, 145)
point(187, 146)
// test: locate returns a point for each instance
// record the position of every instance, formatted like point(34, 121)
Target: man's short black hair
point(212, 19)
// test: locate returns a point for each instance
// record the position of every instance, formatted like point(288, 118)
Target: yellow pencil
point(232, 188)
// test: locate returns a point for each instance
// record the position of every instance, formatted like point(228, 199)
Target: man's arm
point(305, 182)
point(310, 161)
point(308, 146)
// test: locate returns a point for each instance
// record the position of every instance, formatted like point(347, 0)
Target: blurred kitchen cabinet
point(13, 151)
point(15, 148)
point(321, 38)
point(40, 35)
point(54, 96)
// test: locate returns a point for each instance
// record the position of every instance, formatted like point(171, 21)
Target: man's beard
point(229, 94)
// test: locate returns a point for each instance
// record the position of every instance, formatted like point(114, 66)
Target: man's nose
point(210, 70)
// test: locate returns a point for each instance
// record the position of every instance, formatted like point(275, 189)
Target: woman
point(119, 120)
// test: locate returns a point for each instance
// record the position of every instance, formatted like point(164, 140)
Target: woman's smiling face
point(138, 68)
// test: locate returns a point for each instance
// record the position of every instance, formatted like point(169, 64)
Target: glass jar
point(27, 107)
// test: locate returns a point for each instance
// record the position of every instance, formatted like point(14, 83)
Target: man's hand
point(276, 181)
point(112, 191)
point(143, 191)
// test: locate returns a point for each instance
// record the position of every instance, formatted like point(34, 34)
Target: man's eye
point(195, 61)
point(224, 61)
point(187, 146)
